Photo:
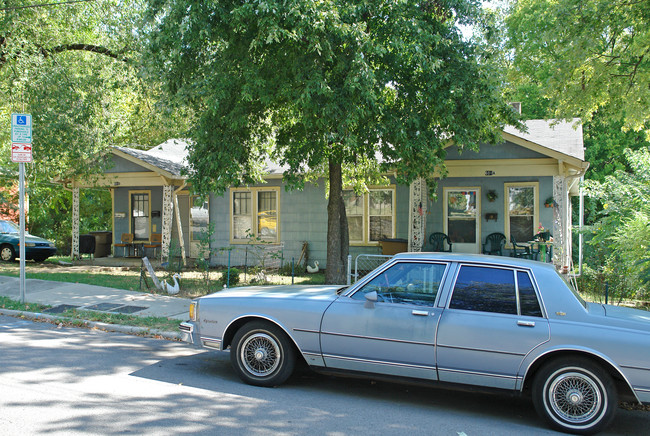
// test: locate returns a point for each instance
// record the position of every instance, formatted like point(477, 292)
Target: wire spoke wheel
point(575, 395)
point(260, 354)
point(575, 398)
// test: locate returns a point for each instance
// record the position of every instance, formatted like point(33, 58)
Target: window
point(199, 217)
point(140, 223)
point(371, 216)
point(485, 290)
point(529, 305)
point(406, 283)
point(254, 214)
point(521, 210)
point(489, 289)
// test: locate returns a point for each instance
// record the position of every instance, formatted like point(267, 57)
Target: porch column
point(417, 214)
point(168, 207)
point(75, 224)
point(561, 230)
point(179, 226)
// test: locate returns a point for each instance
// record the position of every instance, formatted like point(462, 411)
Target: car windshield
point(573, 290)
point(8, 227)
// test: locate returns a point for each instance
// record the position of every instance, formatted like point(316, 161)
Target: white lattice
point(560, 224)
point(168, 208)
point(417, 214)
point(75, 224)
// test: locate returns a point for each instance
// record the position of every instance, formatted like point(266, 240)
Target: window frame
point(515, 272)
point(253, 215)
point(131, 229)
point(506, 202)
point(366, 215)
point(192, 198)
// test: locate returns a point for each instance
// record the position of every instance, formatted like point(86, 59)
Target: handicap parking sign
point(21, 128)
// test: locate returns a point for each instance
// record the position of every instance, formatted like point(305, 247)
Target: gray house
point(516, 188)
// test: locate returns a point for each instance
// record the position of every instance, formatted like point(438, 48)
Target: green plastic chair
point(494, 243)
point(437, 241)
point(518, 250)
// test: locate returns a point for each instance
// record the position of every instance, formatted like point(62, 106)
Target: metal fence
point(364, 264)
point(263, 256)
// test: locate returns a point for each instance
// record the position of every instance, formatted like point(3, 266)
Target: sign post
point(21, 152)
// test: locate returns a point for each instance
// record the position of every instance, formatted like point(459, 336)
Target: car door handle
point(526, 323)
point(420, 312)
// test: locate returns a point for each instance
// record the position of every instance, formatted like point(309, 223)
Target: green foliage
point(205, 252)
point(584, 55)
point(230, 277)
point(622, 231)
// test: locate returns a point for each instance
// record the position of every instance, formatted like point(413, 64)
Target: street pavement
point(62, 295)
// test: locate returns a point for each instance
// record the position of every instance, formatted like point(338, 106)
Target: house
point(501, 188)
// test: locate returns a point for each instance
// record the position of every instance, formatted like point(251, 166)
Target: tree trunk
point(338, 237)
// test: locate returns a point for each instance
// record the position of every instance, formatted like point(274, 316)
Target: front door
point(462, 209)
point(395, 333)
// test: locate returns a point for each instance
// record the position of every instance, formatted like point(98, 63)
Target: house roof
point(553, 136)
point(556, 135)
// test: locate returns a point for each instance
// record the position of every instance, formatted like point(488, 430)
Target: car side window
point(415, 283)
point(528, 303)
point(485, 289)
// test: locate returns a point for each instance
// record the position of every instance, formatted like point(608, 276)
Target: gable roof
point(555, 135)
point(170, 156)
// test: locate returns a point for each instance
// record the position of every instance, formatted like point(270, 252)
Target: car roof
point(472, 258)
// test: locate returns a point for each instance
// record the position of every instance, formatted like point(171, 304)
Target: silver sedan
point(485, 321)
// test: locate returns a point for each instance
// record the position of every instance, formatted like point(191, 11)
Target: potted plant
point(492, 195)
point(549, 202)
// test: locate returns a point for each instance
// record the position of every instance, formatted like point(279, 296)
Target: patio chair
point(519, 250)
point(437, 241)
point(155, 243)
point(494, 243)
point(126, 242)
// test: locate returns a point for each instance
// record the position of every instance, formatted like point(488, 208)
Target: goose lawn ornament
point(313, 269)
point(171, 290)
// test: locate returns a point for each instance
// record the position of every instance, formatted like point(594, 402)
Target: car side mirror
point(371, 299)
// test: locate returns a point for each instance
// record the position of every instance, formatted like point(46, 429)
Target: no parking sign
point(21, 138)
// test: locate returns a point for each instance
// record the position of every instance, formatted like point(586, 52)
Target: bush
point(233, 273)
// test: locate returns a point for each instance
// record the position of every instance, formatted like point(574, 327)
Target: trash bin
point(393, 246)
point(103, 242)
point(86, 244)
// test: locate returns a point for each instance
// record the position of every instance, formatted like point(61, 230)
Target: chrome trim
point(378, 338)
point(645, 390)
point(482, 374)
point(420, 312)
point(186, 327)
point(639, 368)
point(305, 331)
point(379, 362)
point(211, 343)
point(526, 323)
point(484, 350)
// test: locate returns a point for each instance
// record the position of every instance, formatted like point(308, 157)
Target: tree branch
point(83, 47)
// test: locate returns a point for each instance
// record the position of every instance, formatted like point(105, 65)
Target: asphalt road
point(66, 381)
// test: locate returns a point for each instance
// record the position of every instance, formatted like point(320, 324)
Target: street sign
point(21, 128)
point(21, 152)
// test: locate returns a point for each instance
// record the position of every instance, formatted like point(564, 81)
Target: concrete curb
point(131, 330)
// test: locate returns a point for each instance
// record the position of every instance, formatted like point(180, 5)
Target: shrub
point(233, 273)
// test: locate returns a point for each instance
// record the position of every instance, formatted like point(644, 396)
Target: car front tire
point(7, 253)
point(575, 395)
point(262, 354)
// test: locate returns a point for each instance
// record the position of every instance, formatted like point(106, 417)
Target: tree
point(586, 55)
point(324, 86)
point(76, 69)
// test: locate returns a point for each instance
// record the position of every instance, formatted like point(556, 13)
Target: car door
point(388, 325)
point(492, 321)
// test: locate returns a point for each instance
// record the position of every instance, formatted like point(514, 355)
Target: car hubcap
point(260, 354)
point(575, 398)
point(5, 254)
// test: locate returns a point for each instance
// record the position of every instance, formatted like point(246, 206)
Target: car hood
point(323, 292)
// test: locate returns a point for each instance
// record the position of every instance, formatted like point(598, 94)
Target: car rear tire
point(262, 354)
point(575, 395)
point(7, 253)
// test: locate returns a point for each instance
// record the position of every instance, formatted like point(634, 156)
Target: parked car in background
point(487, 321)
point(36, 248)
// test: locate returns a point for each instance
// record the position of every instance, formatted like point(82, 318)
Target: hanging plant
point(549, 202)
point(492, 195)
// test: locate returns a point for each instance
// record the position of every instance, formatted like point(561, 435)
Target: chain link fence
point(364, 264)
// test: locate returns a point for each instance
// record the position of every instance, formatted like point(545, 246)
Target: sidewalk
point(62, 296)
